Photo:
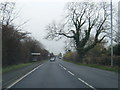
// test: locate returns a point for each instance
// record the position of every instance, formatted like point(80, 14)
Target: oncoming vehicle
point(52, 59)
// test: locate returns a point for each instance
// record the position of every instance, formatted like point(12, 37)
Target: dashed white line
point(24, 76)
point(71, 73)
point(86, 83)
point(79, 78)
point(62, 67)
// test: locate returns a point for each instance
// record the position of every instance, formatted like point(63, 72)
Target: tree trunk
point(81, 55)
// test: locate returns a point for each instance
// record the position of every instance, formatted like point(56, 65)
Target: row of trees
point(17, 45)
point(86, 27)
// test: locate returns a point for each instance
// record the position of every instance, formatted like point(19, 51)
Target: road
point(61, 74)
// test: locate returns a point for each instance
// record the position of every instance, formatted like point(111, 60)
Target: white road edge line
point(61, 66)
point(71, 73)
point(64, 68)
point(24, 76)
point(87, 84)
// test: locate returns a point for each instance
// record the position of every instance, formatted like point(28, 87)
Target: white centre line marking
point(62, 67)
point(24, 76)
point(71, 73)
point(87, 84)
point(79, 78)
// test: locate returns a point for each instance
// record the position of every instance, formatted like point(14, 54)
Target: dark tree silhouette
point(82, 21)
point(17, 45)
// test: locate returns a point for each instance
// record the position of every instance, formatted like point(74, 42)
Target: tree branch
point(65, 35)
point(101, 39)
point(100, 26)
point(73, 19)
point(73, 32)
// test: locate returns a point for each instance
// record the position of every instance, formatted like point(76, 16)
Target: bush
point(72, 56)
point(104, 60)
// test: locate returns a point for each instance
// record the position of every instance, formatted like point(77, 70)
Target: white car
point(52, 59)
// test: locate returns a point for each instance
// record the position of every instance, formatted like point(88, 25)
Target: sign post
point(34, 58)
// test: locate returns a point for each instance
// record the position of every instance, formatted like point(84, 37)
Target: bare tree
point(17, 45)
point(82, 20)
point(7, 14)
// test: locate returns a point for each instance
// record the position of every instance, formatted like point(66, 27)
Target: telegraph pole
point(111, 36)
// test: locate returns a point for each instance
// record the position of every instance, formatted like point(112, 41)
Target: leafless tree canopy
point(7, 13)
point(82, 20)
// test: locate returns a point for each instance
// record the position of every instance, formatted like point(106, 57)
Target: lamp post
point(111, 36)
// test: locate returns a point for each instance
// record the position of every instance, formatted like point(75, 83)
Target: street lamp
point(111, 36)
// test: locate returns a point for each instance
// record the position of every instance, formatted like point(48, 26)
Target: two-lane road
point(50, 75)
point(61, 74)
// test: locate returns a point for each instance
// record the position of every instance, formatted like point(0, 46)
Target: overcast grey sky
point(40, 14)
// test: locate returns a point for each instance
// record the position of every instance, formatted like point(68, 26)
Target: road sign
point(36, 54)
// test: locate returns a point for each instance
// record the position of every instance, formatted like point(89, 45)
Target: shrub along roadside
point(108, 68)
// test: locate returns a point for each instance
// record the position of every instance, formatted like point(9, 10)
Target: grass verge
point(108, 68)
point(14, 67)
